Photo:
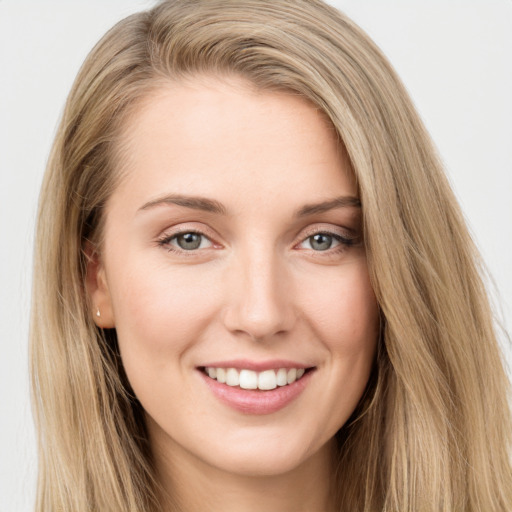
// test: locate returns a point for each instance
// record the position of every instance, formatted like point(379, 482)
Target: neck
point(189, 484)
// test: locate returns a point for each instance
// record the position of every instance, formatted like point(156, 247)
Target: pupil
point(189, 241)
point(320, 242)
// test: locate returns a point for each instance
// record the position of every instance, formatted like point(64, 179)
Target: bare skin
point(235, 234)
point(193, 485)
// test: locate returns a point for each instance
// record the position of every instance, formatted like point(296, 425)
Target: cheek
point(348, 325)
point(159, 310)
point(345, 310)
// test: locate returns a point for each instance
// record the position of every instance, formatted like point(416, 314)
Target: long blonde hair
point(433, 430)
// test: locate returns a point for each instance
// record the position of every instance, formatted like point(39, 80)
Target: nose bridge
point(259, 299)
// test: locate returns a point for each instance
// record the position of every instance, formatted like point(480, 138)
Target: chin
point(263, 457)
point(260, 465)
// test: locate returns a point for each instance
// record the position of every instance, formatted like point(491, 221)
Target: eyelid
point(345, 236)
point(336, 239)
point(173, 240)
point(172, 232)
point(329, 229)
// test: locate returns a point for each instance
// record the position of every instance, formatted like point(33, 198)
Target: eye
point(321, 242)
point(329, 242)
point(187, 241)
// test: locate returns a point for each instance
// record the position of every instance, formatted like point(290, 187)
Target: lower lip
point(257, 401)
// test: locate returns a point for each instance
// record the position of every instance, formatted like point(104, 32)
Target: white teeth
point(232, 377)
point(267, 380)
point(291, 375)
point(281, 377)
point(249, 379)
point(221, 375)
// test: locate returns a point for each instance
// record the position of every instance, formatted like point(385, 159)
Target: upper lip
point(257, 366)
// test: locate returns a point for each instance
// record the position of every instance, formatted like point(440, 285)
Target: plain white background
point(453, 55)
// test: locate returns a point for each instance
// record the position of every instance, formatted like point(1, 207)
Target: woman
point(254, 288)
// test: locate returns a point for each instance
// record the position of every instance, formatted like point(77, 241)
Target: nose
point(259, 297)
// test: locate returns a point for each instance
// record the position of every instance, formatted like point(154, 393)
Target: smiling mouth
point(266, 380)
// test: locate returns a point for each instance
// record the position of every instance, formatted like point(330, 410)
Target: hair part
point(433, 427)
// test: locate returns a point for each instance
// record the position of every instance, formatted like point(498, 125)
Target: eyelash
point(165, 241)
point(344, 242)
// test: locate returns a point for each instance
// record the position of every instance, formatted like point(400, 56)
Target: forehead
point(214, 136)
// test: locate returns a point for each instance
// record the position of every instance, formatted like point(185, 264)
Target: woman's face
point(233, 243)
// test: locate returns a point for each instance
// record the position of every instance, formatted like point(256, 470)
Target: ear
point(97, 289)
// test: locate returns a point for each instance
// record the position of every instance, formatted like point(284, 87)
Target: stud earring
point(98, 312)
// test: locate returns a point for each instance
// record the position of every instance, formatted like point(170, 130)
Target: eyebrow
point(213, 206)
point(338, 202)
point(195, 203)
